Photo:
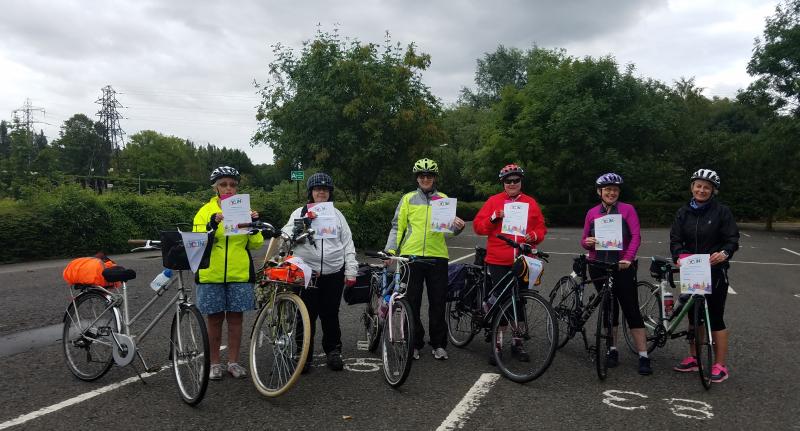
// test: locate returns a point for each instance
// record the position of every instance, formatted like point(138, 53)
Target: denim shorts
point(216, 298)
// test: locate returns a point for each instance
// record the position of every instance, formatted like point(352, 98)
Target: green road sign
point(298, 175)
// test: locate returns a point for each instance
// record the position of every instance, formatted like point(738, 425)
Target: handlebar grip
point(510, 242)
point(377, 254)
point(137, 241)
point(244, 225)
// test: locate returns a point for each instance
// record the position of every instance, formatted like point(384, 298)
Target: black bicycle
point(572, 311)
point(520, 323)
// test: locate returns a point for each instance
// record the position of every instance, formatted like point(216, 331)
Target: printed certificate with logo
point(515, 220)
point(235, 210)
point(443, 212)
point(696, 274)
point(608, 231)
point(324, 223)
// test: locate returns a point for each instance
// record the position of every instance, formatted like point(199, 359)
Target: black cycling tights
point(624, 291)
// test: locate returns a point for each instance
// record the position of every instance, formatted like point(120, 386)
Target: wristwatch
point(725, 253)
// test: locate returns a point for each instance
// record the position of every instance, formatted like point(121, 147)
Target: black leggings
point(323, 302)
point(716, 301)
point(625, 292)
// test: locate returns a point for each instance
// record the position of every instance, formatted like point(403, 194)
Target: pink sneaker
point(688, 364)
point(719, 373)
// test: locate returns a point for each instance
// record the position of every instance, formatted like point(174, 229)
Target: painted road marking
point(745, 234)
point(731, 291)
point(790, 251)
point(462, 258)
point(460, 414)
point(797, 295)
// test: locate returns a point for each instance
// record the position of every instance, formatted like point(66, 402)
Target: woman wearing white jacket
point(332, 257)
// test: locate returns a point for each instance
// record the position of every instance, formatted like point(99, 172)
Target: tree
point(776, 57)
point(356, 110)
point(5, 141)
point(82, 147)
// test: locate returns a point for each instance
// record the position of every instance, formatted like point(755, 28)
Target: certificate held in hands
point(608, 231)
point(515, 220)
point(696, 274)
point(235, 210)
point(443, 213)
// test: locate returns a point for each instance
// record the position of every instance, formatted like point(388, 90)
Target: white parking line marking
point(790, 251)
point(462, 258)
point(797, 295)
point(460, 414)
point(461, 248)
point(745, 234)
point(731, 291)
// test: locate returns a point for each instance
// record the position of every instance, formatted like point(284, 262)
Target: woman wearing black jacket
point(705, 226)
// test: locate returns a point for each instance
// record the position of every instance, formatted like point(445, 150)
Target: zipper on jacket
point(425, 227)
point(225, 270)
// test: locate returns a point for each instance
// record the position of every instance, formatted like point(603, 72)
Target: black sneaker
point(612, 358)
point(335, 361)
point(644, 366)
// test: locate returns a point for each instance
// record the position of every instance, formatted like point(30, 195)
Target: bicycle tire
point(536, 332)
point(460, 327)
point(564, 301)
point(650, 308)
point(603, 336)
point(397, 348)
point(372, 322)
point(703, 343)
point(88, 351)
point(189, 350)
point(276, 357)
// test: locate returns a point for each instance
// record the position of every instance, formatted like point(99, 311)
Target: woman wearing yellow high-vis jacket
point(411, 236)
point(225, 288)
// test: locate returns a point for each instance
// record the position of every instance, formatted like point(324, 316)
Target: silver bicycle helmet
point(707, 175)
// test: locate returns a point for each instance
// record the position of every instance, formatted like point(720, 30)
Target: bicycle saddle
point(118, 273)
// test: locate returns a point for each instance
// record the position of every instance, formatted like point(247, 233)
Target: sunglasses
point(227, 184)
point(426, 176)
point(512, 180)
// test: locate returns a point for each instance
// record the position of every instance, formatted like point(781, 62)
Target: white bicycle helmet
point(707, 175)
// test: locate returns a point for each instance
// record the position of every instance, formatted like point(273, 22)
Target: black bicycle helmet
point(707, 175)
point(609, 179)
point(320, 179)
point(223, 172)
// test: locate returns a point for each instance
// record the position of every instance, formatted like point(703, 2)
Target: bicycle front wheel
point(397, 343)
point(564, 300)
point(703, 343)
point(278, 350)
point(86, 338)
point(603, 338)
point(650, 309)
point(459, 323)
point(525, 334)
point(189, 351)
point(372, 323)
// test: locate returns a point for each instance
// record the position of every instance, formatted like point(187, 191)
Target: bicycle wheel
point(190, 353)
point(372, 323)
point(86, 338)
point(603, 338)
point(650, 309)
point(459, 323)
point(525, 336)
point(276, 355)
point(703, 343)
point(397, 343)
point(564, 300)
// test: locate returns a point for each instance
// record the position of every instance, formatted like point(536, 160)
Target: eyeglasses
point(512, 180)
point(227, 184)
point(426, 176)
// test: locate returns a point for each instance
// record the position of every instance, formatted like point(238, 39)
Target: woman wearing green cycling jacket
point(411, 235)
point(225, 288)
point(705, 226)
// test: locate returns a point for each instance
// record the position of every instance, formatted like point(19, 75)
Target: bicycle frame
point(397, 289)
point(670, 323)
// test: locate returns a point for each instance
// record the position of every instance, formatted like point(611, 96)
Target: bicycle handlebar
point(525, 248)
point(145, 244)
point(266, 229)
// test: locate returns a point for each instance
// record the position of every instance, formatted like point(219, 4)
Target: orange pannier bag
point(286, 273)
point(88, 270)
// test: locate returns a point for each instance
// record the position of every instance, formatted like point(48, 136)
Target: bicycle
point(281, 335)
point(567, 299)
point(97, 331)
point(509, 321)
point(660, 326)
point(391, 317)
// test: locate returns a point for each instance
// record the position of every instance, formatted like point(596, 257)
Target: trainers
point(236, 370)
point(439, 353)
point(518, 350)
point(216, 372)
point(612, 358)
point(719, 373)
point(335, 361)
point(688, 364)
point(644, 366)
point(416, 354)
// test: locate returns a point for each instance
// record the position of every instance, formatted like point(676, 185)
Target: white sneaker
point(215, 373)
point(237, 371)
point(439, 353)
point(416, 354)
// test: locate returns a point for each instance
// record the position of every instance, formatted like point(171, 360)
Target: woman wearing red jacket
point(488, 221)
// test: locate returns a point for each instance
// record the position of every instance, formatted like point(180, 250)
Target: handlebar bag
point(173, 252)
point(359, 293)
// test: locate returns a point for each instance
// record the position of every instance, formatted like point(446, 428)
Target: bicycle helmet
point(425, 166)
point(707, 175)
point(222, 172)
point(320, 179)
point(511, 169)
point(609, 179)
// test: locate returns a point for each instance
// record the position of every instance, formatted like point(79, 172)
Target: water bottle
point(669, 303)
point(161, 280)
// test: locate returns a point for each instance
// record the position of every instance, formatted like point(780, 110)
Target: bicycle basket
point(359, 293)
point(173, 252)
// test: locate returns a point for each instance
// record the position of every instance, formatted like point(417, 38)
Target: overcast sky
point(186, 67)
